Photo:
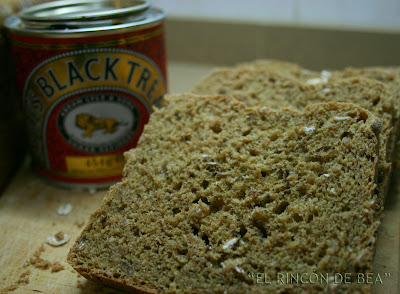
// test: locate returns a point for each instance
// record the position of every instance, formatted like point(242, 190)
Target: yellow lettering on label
point(95, 166)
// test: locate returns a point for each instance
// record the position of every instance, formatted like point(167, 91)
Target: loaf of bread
point(285, 68)
point(221, 198)
point(389, 75)
point(276, 89)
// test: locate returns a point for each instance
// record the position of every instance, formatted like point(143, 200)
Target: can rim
point(16, 26)
point(83, 10)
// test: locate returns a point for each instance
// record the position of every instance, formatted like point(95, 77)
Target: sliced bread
point(272, 89)
point(279, 66)
point(220, 198)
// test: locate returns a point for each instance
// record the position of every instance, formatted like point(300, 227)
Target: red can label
point(87, 100)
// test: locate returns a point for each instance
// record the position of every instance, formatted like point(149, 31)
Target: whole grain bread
point(285, 68)
point(217, 195)
point(389, 75)
point(276, 90)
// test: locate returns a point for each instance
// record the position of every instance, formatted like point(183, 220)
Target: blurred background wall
point(315, 33)
point(376, 15)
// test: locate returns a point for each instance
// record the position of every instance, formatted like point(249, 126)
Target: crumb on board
point(57, 239)
point(25, 275)
point(26, 264)
point(39, 251)
point(64, 209)
point(10, 288)
point(56, 267)
point(40, 263)
point(23, 280)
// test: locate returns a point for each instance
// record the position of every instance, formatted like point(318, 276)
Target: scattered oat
point(325, 74)
point(58, 239)
point(82, 242)
point(314, 81)
point(333, 191)
point(232, 264)
point(211, 163)
point(326, 90)
point(239, 270)
point(229, 243)
point(327, 175)
point(205, 155)
point(341, 117)
point(309, 129)
point(223, 175)
point(64, 209)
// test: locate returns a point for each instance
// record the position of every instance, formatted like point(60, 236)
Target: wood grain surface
point(29, 214)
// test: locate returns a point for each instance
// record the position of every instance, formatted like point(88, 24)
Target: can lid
point(81, 11)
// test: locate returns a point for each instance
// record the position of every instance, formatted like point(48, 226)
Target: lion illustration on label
point(90, 123)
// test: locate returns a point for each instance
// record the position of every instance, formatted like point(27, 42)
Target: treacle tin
point(89, 74)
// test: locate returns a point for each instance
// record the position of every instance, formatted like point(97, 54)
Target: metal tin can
point(89, 73)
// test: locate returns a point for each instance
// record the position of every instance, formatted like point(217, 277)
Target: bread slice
point(389, 75)
point(216, 196)
point(272, 89)
point(285, 68)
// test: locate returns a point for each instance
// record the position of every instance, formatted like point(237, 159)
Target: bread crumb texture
point(273, 84)
point(216, 193)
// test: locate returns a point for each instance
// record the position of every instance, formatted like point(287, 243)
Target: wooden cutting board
point(29, 215)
